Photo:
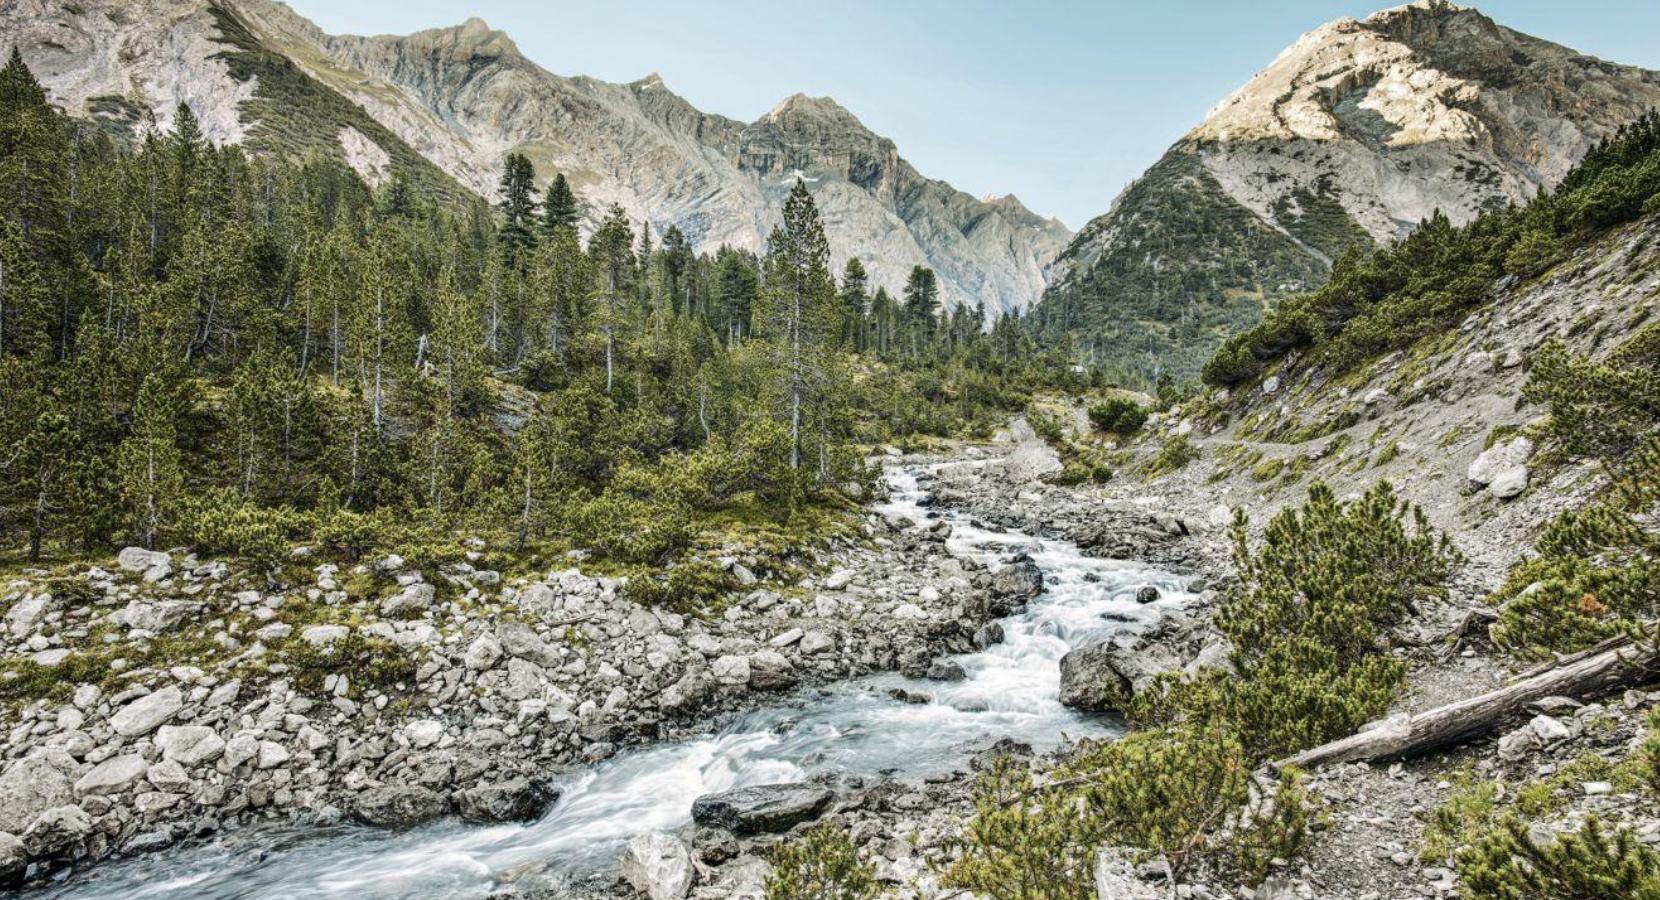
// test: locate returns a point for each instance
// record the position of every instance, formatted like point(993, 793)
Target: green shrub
point(1595, 572)
point(1586, 865)
point(1182, 793)
point(822, 864)
point(24, 679)
point(1308, 621)
point(1119, 415)
point(689, 586)
point(1603, 410)
point(1173, 455)
point(1463, 818)
point(224, 522)
point(365, 661)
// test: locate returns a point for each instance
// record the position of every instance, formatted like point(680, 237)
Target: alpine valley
point(427, 477)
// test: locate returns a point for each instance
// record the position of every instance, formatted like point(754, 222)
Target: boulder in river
point(1020, 580)
point(657, 865)
point(400, 806)
point(1101, 676)
point(514, 800)
point(762, 809)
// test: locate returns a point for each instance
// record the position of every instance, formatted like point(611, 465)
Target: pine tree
point(854, 300)
point(518, 206)
point(559, 207)
point(611, 251)
point(149, 465)
point(800, 314)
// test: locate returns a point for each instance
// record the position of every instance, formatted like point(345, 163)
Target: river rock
point(113, 775)
point(1100, 676)
point(57, 830)
point(30, 786)
point(945, 670)
point(399, 806)
point(770, 670)
point(14, 859)
point(1020, 580)
point(520, 640)
point(189, 745)
point(731, 670)
point(762, 809)
point(483, 653)
point(145, 714)
point(516, 800)
point(657, 865)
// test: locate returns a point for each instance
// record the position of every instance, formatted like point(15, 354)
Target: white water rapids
point(849, 729)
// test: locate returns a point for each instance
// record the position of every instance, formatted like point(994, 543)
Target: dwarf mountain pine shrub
point(1590, 864)
point(1595, 572)
point(822, 865)
point(1308, 623)
point(1119, 415)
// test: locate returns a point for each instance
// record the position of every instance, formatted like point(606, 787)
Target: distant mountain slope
point(446, 106)
point(1354, 134)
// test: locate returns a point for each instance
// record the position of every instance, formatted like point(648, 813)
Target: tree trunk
point(1595, 672)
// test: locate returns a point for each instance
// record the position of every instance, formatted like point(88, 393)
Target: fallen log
point(1596, 672)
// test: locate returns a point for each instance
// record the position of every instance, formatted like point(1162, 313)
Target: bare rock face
point(464, 97)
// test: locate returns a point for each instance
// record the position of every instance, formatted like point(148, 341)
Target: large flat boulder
point(763, 809)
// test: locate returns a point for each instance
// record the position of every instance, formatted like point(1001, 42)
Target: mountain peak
point(802, 104)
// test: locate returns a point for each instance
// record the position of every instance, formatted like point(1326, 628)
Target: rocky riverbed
point(495, 687)
point(538, 691)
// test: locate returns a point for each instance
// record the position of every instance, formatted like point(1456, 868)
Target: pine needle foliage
point(1590, 864)
point(823, 864)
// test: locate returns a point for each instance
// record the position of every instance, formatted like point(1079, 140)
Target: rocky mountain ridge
point(463, 97)
point(1354, 134)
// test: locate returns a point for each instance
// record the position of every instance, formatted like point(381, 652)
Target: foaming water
point(850, 729)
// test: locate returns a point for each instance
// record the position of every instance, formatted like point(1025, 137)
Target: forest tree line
point(203, 348)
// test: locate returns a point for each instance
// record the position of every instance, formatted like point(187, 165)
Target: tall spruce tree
point(518, 207)
point(800, 313)
point(559, 207)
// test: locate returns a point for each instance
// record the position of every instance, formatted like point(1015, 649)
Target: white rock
point(816, 642)
point(189, 744)
point(1549, 730)
point(657, 865)
point(483, 653)
point(424, 733)
point(731, 670)
point(271, 755)
point(1509, 483)
point(113, 775)
point(324, 635)
point(168, 775)
point(838, 579)
point(1498, 458)
point(143, 715)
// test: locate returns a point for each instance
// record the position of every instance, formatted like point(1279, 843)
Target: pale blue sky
point(1061, 102)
